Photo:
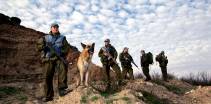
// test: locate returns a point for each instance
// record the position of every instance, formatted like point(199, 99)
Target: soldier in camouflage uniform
point(163, 61)
point(108, 55)
point(51, 62)
point(126, 60)
point(145, 65)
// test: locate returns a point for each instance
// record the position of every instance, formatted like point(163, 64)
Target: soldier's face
point(125, 51)
point(54, 29)
point(142, 52)
point(106, 43)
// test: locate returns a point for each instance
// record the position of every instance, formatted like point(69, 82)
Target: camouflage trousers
point(49, 69)
point(128, 70)
point(116, 68)
point(164, 73)
point(146, 72)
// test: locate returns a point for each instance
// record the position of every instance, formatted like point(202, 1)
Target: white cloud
point(17, 3)
point(139, 2)
point(123, 14)
point(107, 12)
point(93, 19)
point(131, 22)
point(95, 8)
point(77, 17)
point(181, 27)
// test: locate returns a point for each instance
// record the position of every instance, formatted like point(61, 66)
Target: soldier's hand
point(109, 58)
point(45, 60)
point(106, 54)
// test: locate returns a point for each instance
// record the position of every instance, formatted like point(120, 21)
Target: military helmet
point(126, 48)
point(107, 40)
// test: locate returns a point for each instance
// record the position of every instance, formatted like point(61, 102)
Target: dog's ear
point(83, 45)
point(92, 47)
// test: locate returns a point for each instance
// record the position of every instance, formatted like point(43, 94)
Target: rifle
point(105, 50)
point(131, 61)
point(57, 54)
point(135, 64)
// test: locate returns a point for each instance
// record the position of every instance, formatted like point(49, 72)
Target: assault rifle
point(135, 64)
point(57, 54)
point(105, 50)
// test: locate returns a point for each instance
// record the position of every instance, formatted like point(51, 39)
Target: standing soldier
point(163, 61)
point(54, 48)
point(126, 60)
point(108, 55)
point(145, 65)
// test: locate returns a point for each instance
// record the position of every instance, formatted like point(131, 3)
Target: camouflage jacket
point(41, 47)
point(163, 61)
point(104, 59)
point(126, 60)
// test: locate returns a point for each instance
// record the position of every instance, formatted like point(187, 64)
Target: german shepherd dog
point(84, 62)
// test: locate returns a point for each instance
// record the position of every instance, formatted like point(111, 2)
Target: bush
point(157, 76)
point(139, 76)
point(202, 78)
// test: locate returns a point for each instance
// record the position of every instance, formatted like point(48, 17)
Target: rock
point(149, 83)
point(15, 21)
point(7, 20)
point(139, 94)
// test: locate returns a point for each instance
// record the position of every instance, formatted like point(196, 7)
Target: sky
point(182, 28)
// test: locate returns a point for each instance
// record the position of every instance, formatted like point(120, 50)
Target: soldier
point(145, 65)
point(126, 60)
point(163, 61)
point(54, 48)
point(108, 55)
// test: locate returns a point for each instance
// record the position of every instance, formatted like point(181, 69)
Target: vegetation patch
point(105, 94)
point(5, 91)
point(84, 99)
point(127, 99)
point(94, 98)
point(202, 78)
point(172, 88)
point(110, 101)
point(152, 99)
point(12, 93)
point(108, 93)
point(175, 89)
point(22, 97)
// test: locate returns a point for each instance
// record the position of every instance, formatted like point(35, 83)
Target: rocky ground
point(140, 92)
point(131, 92)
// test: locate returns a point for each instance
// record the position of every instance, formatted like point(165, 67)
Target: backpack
point(149, 58)
point(158, 58)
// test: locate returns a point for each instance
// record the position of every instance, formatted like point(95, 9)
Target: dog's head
point(89, 48)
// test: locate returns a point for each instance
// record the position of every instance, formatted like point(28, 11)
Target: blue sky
point(180, 27)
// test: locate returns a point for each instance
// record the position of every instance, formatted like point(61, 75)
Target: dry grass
point(202, 78)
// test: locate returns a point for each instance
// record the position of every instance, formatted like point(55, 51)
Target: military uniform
point(163, 61)
point(107, 63)
point(145, 66)
point(126, 59)
point(52, 63)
